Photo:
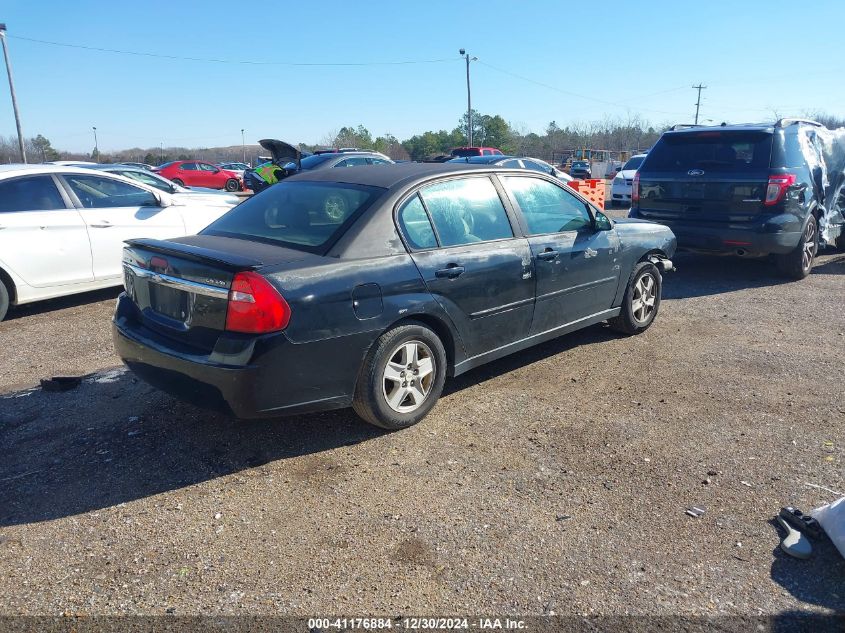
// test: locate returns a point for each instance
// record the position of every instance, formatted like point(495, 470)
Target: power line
point(229, 61)
point(568, 92)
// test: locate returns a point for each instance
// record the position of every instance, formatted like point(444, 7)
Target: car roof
point(22, 169)
point(389, 176)
point(739, 127)
point(481, 160)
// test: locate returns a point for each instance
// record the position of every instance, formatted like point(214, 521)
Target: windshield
point(633, 163)
point(311, 162)
point(307, 216)
point(580, 164)
point(733, 152)
point(149, 179)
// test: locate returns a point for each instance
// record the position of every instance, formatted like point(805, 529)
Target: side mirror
point(603, 222)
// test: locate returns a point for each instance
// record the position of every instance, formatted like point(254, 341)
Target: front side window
point(512, 163)
point(304, 215)
point(96, 192)
point(466, 210)
point(35, 193)
point(415, 224)
point(378, 161)
point(546, 207)
point(207, 167)
point(537, 166)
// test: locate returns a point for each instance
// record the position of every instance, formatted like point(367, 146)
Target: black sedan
point(368, 286)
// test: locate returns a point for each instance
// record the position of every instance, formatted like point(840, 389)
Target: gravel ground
point(554, 480)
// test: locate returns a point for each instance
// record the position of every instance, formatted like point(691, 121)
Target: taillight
point(776, 189)
point(635, 188)
point(255, 306)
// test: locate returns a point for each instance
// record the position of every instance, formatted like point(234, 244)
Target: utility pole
point(96, 145)
point(699, 87)
point(161, 154)
point(12, 90)
point(469, 59)
point(243, 145)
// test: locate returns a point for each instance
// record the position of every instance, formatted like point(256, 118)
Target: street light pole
point(243, 145)
point(96, 144)
point(469, 59)
point(12, 90)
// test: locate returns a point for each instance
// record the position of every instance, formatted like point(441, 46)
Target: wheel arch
point(6, 279)
point(439, 327)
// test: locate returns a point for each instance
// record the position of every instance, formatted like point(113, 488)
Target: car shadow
point(114, 439)
point(705, 275)
point(811, 581)
point(61, 303)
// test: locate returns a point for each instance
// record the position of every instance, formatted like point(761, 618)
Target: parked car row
point(63, 228)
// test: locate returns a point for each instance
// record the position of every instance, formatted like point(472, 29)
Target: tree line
point(553, 145)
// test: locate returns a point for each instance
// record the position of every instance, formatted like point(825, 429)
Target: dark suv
point(748, 190)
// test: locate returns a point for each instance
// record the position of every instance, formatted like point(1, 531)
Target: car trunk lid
point(181, 287)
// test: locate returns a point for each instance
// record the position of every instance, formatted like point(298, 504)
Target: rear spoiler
point(227, 261)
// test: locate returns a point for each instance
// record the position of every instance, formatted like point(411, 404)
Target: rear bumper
point(279, 378)
point(776, 235)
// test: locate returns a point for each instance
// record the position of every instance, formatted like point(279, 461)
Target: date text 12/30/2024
point(416, 624)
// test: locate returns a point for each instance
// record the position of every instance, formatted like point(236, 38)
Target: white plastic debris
point(832, 519)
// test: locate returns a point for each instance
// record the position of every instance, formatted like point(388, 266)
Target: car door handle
point(104, 224)
point(547, 255)
point(451, 271)
point(589, 252)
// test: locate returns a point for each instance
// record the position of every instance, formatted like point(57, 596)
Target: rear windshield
point(307, 216)
point(733, 152)
point(633, 163)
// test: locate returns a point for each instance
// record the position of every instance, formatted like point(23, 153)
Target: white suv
point(620, 190)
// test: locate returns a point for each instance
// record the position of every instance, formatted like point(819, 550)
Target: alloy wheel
point(408, 376)
point(643, 299)
point(809, 247)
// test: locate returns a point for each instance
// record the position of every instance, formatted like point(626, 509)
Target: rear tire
point(402, 377)
point(4, 300)
point(232, 185)
point(177, 181)
point(641, 301)
point(798, 263)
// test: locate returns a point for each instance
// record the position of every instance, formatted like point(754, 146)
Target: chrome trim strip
point(179, 284)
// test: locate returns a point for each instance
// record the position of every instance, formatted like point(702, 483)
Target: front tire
point(4, 300)
point(178, 181)
point(798, 263)
point(402, 377)
point(232, 185)
point(641, 301)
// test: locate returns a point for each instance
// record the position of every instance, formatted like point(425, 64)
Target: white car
point(620, 189)
point(62, 228)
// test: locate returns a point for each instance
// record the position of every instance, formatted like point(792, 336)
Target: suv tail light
point(255, 306)
point(776, 189)
point(635, 188)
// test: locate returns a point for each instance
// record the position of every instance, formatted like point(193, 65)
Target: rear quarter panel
point(639, 238)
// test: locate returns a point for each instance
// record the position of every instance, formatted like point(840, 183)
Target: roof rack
point(791, 121)
point(683, 126)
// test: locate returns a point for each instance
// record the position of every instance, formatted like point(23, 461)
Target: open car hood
point(282, 152)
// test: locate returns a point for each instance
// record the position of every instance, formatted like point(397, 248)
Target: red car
point(463, 152)
point(194, 173)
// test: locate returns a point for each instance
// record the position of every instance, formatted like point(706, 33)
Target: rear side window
point(353, 161)
point(304, 215)
point(466, 210)
point(415, 224)
point(547, 208)
point(36, 193)
point(731, 152)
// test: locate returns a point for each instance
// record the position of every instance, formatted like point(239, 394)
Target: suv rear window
point(303, 215)
point(733, 152)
